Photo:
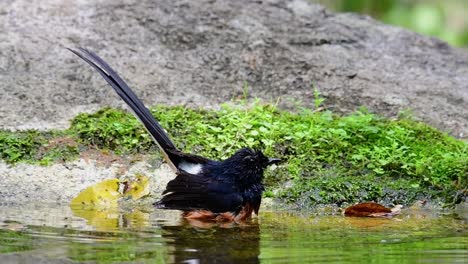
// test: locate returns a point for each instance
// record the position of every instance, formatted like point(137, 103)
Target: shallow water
point(56, 234)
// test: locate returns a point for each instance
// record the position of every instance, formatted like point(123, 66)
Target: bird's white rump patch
point(192, 168)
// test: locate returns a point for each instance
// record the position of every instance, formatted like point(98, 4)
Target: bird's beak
point(273, 161)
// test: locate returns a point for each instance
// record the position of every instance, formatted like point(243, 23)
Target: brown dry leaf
point(371, 209)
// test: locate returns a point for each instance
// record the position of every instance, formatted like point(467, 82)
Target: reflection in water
point(112, 219)
point(218, 244)
point(32, 234)
point(188, 241)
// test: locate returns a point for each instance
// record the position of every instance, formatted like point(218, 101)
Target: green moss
point(19, 146)
point(328, 158)
point(37, 147)
point(111, 129)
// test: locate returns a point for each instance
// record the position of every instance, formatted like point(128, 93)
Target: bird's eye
point(248, 159)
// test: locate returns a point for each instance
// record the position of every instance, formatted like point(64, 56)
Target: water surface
point(56, 234)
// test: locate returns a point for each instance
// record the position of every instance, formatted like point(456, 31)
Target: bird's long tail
point(137, 106)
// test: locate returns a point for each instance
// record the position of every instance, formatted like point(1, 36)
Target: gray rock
point(201, 53)
point(60, 183)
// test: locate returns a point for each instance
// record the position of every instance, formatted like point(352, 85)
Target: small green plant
point(318, 100)
point(245, 91)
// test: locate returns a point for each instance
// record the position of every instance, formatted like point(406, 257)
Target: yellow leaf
point(103, 220)
point(99, 204)
point(102, 195)
point(137, 219)
point(138, 188)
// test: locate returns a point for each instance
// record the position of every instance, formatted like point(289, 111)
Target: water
point(56, 234)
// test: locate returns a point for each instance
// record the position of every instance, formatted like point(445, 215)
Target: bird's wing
point(141, 112)
point(190, 192)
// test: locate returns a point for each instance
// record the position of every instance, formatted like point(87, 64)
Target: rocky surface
point(60, 183)
point(201, 53)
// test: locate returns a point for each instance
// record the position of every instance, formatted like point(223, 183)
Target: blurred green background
point(447, 20)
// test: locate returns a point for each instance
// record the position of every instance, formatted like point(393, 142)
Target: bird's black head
point(254, 158)
point(246, 166)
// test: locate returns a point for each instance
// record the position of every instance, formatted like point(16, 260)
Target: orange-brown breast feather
point(205, 215)
point(200, 215)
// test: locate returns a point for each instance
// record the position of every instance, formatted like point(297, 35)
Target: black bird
point(228, 190)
